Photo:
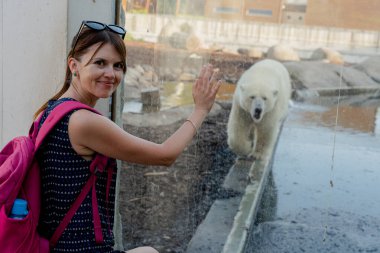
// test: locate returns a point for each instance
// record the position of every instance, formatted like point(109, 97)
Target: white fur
point(259, 105)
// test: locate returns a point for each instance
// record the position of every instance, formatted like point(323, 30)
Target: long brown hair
point(86, 39)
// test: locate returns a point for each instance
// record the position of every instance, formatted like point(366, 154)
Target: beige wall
point(35, 38)
point(33, 47)
point(102, 11)
point(1, 75)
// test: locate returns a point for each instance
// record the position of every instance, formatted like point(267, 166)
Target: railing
point(253, 34)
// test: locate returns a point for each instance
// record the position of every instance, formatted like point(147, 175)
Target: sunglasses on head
point(97, 26)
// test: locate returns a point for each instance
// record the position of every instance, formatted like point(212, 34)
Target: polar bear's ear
point(275, 92)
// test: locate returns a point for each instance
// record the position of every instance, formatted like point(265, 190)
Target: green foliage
point(139, 11)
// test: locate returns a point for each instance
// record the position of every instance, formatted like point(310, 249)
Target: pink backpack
point(20, 178)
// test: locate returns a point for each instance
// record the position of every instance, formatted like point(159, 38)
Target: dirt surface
point(162, 207)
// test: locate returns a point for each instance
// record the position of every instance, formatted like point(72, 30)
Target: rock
point(229, 50)
point(356, 78)
point(193, 42)
point(314, 75)
point(139, 69)
point(168, 74)
point(376, 95)
point(150, 76)
point(255, 53)
point(328, 55)
point(301, 95)
point(131, 81)
point(131, 93)
point(186, 28)
point(145, 84)
point(148, 67)
point(195, 56)
point(187, 77)
point(132, 73)
point(138, 76)
point(216, 47)
point(178, 40)
point(371, 67)
point(167, 31)
point(282, 53)
point(179, 36)
point(251, 52)
point(243, 51)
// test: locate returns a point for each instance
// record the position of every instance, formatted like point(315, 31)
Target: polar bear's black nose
point(258, 113)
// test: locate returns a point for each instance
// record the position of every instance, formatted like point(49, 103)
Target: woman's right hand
point(205, 88)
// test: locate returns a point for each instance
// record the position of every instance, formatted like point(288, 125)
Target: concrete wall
point(35, 38)
point(33, 49)
point(79, 10)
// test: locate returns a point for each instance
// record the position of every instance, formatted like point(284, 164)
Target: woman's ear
point(71, 62)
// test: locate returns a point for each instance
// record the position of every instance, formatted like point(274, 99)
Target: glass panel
point(316, 189)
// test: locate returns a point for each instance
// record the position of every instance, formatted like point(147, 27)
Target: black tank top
point(63, 175)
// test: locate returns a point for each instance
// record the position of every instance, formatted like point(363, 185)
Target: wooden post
point(150, 99)
point(281, 10)
point(178, 4)
point(147, 4)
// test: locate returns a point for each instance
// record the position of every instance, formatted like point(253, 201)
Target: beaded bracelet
point(192, 123)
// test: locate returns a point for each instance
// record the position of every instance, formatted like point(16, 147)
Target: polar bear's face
point(258, 102)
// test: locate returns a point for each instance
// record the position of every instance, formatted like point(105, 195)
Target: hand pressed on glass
point(206, 87)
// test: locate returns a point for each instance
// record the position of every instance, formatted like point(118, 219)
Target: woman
point(95, 66)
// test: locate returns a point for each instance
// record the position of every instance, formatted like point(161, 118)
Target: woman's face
point(99, 76)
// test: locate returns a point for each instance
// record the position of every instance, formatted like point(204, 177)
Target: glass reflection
point(334, 64)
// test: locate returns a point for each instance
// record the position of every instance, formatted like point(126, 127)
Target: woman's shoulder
point(51, 104)
point(87, 119)
point(89, 130)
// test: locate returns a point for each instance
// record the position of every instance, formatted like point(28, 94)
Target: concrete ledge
point(250, 202)
point(227, 224)
point(249, 205)
point(213, 231)
point(346, 91)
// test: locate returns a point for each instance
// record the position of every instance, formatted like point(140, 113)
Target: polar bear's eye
point(252, 97)
point(264, 98)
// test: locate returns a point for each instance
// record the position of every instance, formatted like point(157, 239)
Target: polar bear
point(260, 104)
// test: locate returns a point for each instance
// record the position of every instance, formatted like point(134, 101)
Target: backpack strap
point(54, 117)
point(98, 164)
